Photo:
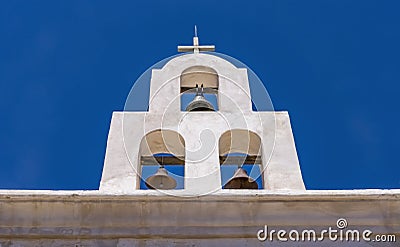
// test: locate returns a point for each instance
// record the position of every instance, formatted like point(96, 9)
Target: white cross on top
point(196, 48)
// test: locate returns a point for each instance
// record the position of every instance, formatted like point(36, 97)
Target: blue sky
point(65, 66)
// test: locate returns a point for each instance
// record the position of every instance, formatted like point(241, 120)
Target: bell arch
point(199, 83)
point(240, 156)
point(199, 74)
point(161, 160)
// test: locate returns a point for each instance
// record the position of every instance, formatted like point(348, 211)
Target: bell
point(241, 180)
point(161, 180)
point(199, 103)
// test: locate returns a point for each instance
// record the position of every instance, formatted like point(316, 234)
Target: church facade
point(213, 172)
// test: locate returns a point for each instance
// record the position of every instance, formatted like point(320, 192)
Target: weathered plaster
point(201, 131)
point(226, 218)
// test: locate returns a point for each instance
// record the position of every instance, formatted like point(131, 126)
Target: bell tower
point(216, 129)
point(199, 165)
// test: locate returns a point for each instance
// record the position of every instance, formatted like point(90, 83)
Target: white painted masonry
point(202, 173)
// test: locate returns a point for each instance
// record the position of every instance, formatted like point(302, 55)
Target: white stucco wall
point(201, 131)
point(282, 170)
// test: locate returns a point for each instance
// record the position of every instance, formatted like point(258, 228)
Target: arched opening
point(240, 160)
point(199, 81)
point(162, 160)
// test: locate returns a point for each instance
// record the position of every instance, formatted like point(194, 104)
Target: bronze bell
point(199, 103)
point(161, 180)
point(241, 180)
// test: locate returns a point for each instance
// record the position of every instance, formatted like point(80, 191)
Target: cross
point(196, 48)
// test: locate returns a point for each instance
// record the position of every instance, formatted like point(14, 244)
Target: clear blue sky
point(65, 66)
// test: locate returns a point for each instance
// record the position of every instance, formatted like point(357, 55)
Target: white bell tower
point(201, 141)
